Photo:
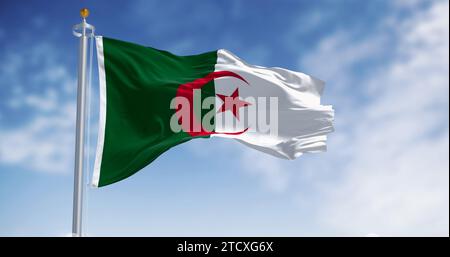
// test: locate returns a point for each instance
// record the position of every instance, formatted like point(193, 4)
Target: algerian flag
point(152, 100)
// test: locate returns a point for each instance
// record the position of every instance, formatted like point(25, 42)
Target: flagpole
point(83, 31)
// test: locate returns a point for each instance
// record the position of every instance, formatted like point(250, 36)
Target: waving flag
point(152, 100)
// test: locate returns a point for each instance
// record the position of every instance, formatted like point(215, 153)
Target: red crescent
point(186, 91)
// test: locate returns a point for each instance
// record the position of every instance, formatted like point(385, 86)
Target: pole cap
point(84, 13)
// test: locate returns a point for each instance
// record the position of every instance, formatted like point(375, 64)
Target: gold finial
point(84, 13)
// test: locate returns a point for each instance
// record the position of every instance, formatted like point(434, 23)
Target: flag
point(152, 100)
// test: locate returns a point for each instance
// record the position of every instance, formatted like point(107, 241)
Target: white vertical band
point(102, 115)
point(298, 122)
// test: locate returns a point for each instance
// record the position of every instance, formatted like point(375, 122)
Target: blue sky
point(386, 170)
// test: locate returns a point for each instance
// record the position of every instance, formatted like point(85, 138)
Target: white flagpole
point(84, 31)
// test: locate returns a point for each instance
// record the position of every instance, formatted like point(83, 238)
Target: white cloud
point(43, 140)
point(396, 179)
point(46, 102)
point(407, 3)
point(43, 144)
point(269, 170)
point(386, 172)
point(338, 53)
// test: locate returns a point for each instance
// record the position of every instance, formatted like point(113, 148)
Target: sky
point(386, 171)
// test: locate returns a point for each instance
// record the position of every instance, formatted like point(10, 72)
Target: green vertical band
point(140, 83)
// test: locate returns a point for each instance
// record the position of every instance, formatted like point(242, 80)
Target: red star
point(232, 103)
